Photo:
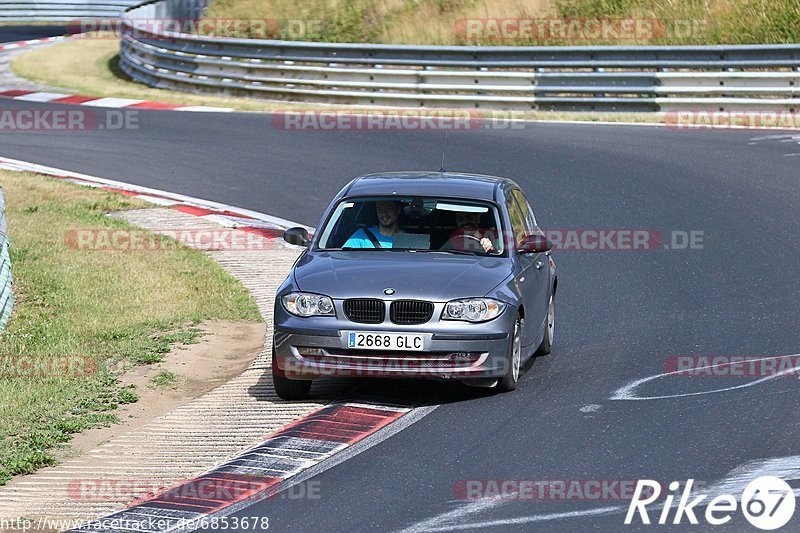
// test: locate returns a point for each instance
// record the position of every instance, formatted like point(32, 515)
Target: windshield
point(420, 224)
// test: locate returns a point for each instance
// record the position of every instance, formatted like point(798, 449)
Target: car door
point(525, 272)
point(537, 273)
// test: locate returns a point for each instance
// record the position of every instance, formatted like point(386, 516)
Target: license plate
point(385, 341)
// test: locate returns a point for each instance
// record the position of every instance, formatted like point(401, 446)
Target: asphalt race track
point(620, 314)
point(13, 32)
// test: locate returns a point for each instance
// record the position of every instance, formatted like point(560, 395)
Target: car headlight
point(307, 304)
point(473, 309)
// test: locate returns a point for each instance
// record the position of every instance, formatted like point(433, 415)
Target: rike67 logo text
point(767, 503)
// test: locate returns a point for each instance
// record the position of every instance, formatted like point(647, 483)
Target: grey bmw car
point(421, 275)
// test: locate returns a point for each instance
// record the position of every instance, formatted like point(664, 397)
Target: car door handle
point(539, 265)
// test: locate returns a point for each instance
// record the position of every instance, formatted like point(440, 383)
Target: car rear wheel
point(288, 389)
point(509, 380)
point(549, 329)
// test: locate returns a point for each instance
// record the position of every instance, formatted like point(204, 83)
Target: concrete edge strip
point(256, 474)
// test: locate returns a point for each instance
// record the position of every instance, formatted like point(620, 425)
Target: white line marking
point(530, 519)
point(787, 468)
point(25, 166)
point(770, 137)
point(378, 407)
point(627, 392)
point(204, 109)
point(443, 522)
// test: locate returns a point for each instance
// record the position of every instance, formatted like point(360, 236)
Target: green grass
point(726, 21)
point(104, 309)
point(165, 378)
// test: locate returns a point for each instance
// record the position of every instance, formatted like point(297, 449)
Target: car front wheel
point(288, 389)
point(509, 380)
point(549, 329)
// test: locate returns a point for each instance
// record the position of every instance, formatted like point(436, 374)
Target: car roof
point(455, 184)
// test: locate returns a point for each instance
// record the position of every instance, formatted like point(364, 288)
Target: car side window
point(517, 220)
point(527, 212)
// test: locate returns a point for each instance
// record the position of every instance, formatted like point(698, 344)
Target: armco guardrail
point(603, 78)
point(62, 10)
point(6, 296)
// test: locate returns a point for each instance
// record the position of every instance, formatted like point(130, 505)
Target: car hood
point(429, 276)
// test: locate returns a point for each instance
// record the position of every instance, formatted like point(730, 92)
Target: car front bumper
point(317, 347)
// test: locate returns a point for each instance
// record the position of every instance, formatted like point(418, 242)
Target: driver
point(467, 234)
point(382, 235)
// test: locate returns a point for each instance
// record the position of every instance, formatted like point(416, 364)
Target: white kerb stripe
point(112, 102)
point(222, 220)
point(156, 200)
point(41, 97)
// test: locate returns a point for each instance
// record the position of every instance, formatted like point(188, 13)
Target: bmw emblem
point(388, 292)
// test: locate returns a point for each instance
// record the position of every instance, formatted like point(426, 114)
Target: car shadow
point(383, 391)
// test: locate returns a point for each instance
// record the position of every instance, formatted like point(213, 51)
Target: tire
point(549, 329)
point(288, 389)
point(509, 380)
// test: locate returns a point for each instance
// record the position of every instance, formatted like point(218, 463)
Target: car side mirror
point(297, 236)
point(534, 244)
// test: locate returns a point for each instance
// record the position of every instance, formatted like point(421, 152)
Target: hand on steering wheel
point(482, 243)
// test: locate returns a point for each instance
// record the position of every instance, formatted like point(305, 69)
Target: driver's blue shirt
point(359, 239)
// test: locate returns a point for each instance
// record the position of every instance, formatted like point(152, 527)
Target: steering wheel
point(459, 242)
